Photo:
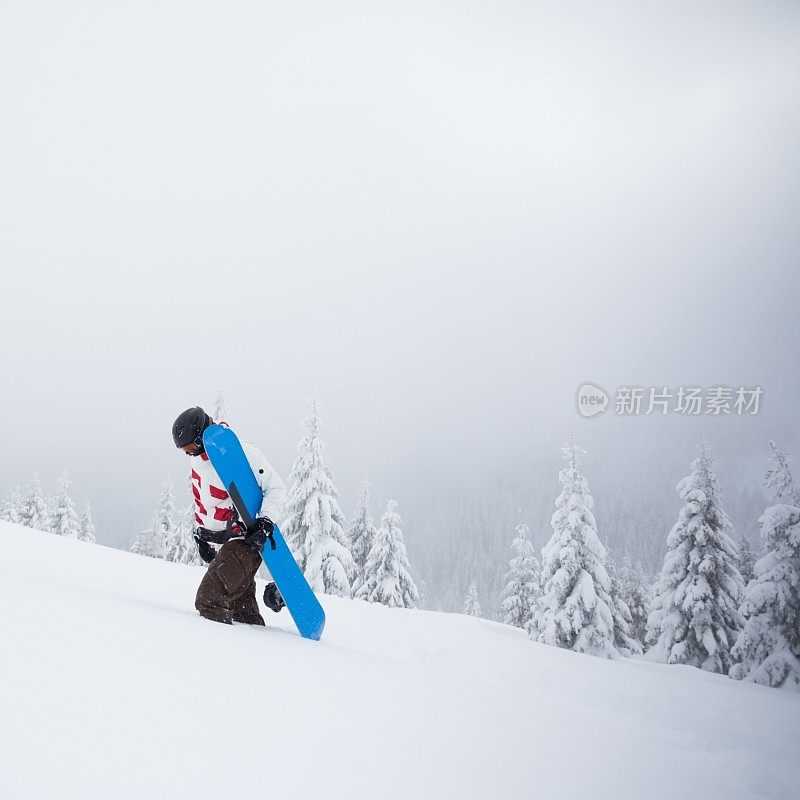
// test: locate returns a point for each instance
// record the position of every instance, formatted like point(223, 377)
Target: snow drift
point(112, 686)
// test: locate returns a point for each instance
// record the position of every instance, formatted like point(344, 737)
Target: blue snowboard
point(228, 459)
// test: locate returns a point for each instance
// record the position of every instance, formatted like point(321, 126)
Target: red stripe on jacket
point(198, 502)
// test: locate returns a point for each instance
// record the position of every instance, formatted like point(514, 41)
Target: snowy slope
point(112, 686)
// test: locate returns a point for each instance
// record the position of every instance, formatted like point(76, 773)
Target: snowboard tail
point(229, 460)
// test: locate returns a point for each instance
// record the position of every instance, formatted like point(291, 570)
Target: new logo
point(591, 400)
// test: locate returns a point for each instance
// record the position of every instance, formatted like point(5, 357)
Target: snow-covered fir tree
point(174, 547)
point(361, 534)
point(574, 611)
point(152, 541)
point(636, 593)
point(63, 517)
point(87, 531)
point(780, 480)
point(522, 582)
point(314, 526)
point(180, 546)
point(387, 572)
point(746, 558)
point(11, 506)
point(166, 506)
point(768, 647)
point(219, 411)
point(624, 640)
point(472, 608)
point(33, 511)
point(694, 618)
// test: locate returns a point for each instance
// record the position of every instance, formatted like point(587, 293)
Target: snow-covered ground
point(112, 686)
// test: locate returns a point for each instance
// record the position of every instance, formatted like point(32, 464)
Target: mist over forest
point(445, 218)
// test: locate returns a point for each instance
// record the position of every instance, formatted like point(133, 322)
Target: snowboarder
point(233, 552)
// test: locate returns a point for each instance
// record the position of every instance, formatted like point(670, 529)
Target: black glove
point(259, 532)
point(207, 552)
point(205, 535)
point(273, 598)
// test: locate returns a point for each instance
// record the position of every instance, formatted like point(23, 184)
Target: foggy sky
point(446, 216)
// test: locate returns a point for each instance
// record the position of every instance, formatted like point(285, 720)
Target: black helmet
point(189, 428)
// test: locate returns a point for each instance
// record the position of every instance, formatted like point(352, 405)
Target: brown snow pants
point(227, 592)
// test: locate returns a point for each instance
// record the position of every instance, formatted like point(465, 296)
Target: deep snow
point(112, 686)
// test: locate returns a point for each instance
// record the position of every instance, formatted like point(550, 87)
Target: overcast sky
point(447, 216)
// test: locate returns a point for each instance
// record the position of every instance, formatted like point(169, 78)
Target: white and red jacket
point(213, 506)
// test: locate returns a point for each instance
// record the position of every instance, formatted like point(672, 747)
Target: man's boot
point(273, 598)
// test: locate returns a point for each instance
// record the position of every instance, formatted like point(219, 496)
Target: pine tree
point(695, 615)
point(361, 535)
point(12, 506)
point(166, 506)
point(87, 531)
point(180, 546)
point(387, 573)
point(173, 544)
point(33, 512)
point(746, 560)
point(152, 541)
point(314, 527)
point(220, 410)
point(522, 582)
point(472, 608)
point(636, 593)
point(779, 479)
point(575, 609)
point(624, 640)
point(768, 648)
point(63, 517)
